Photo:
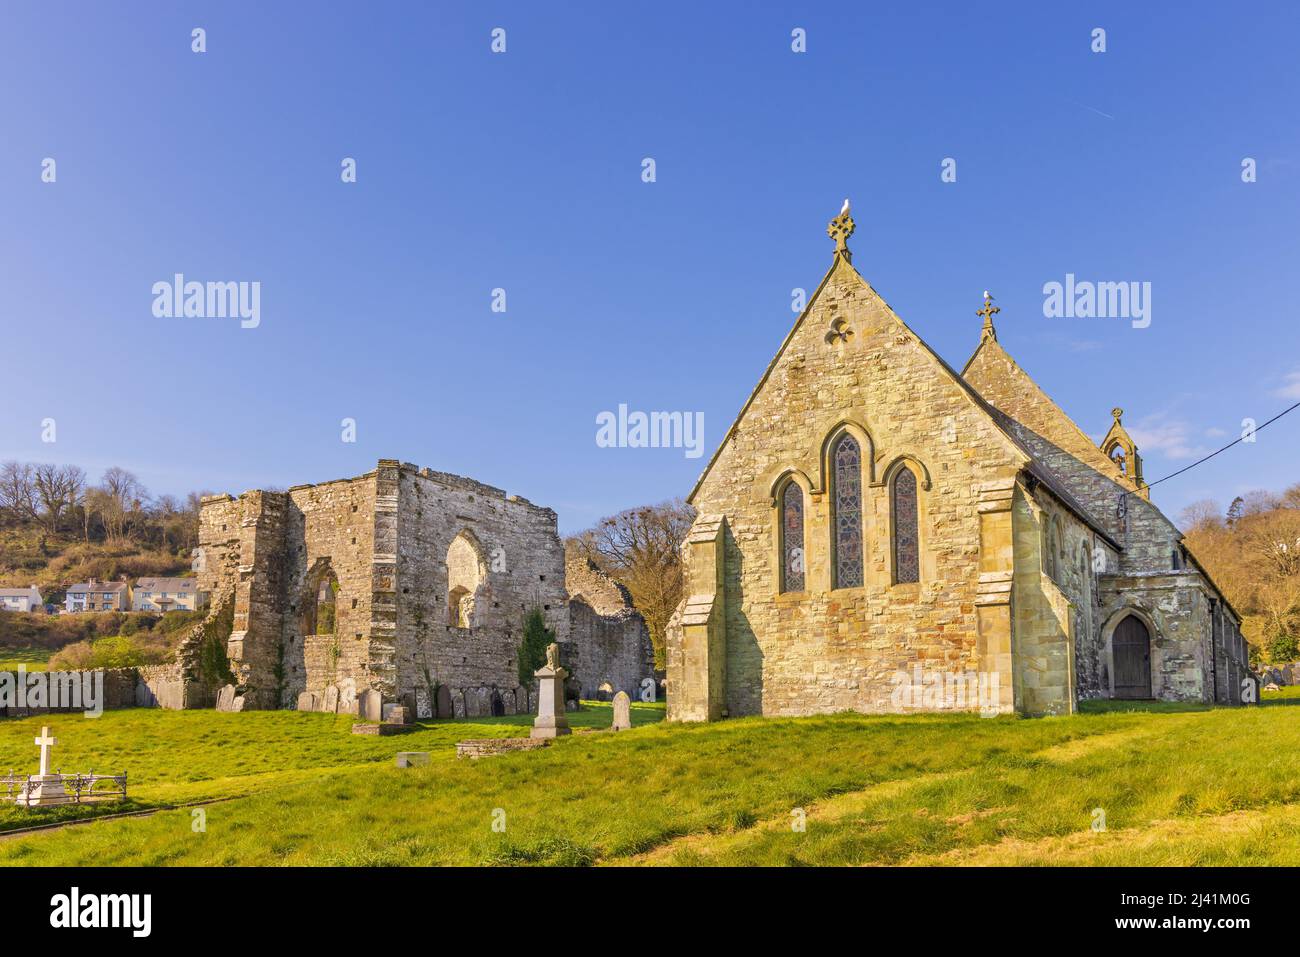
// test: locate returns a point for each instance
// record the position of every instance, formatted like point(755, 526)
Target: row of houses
point(148, 594)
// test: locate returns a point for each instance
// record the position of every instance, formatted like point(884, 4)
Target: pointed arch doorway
point(1131, 648)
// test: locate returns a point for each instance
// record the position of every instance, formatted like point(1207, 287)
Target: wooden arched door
point(1131, 645)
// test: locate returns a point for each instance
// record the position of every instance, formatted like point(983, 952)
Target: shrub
point(532, 649)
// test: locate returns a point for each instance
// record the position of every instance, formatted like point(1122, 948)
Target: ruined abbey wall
point(405, 581)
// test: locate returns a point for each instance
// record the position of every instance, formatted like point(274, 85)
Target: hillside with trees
point(57, 528)
point(1252, 550)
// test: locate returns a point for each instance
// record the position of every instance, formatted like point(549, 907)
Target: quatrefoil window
point(839, 333)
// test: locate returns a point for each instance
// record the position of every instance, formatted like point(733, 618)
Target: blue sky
point(522, 171)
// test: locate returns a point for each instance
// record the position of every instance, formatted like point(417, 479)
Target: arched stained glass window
point(907, 544)
point(792, 554)
point(847, 461)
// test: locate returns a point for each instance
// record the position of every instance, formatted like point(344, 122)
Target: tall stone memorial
point(550, 721)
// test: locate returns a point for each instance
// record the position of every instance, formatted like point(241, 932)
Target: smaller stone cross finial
point(1117, 412)
point(988, 312)
point(45, 742)
point(840, 229)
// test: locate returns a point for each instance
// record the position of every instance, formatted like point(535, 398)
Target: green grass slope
point(1175, 786)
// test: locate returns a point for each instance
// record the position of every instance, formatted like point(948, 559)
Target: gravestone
point(348, 696)
point(622, 712)
point(473, 703)
point(306, 701)
point(370, 706)
point(332, 699)
point(442, 703)
point(226, 698)
point(411, 759)
point(497, 704)
point(396, 714)
point(423, 703)
point(45, 788)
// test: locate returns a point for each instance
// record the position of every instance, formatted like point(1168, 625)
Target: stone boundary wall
point(148, 686)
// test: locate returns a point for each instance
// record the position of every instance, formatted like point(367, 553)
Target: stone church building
point(879, 532)
point(407, 582)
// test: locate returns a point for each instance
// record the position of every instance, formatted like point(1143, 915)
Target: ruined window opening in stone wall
point(465, 573)
point(907, 541)
point(847, 500)
point(319, 608)
point(792, 553)
point(460, 604)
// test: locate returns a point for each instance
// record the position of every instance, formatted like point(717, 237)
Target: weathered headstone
point(371, 705)
point(306, 701)
point(442, 703)
point(497, 704)
point(550, 721)
point(622, 712)
point(348, 696)
point(226, 698)
point(423, 703)
point(411, 759)
point(331, 699)
point(396, 714)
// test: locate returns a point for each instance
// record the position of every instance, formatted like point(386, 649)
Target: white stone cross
point(45, 742)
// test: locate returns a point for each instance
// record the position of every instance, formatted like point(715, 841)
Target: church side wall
point(1178, 606)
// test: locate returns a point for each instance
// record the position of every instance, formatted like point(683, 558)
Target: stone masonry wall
point(610, 649)
point(821, 650)
point(521, 565)
point(382, 546)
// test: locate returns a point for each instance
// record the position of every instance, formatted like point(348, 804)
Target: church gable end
point(852, 486)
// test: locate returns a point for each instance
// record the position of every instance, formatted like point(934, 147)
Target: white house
point(21, 599)
point(168, 594)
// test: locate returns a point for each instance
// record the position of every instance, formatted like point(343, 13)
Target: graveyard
point(1148, 783)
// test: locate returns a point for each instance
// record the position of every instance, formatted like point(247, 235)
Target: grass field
point(1176, 785)
point(33, 659)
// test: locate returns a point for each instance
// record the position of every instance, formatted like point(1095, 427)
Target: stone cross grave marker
point(45, 788)
point(45, 742)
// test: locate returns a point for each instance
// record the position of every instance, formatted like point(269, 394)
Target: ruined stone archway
point(466, 572)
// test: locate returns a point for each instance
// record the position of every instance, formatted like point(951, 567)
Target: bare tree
point(124, 496)
point(59, 488)
point(641, 548)
point(18, 494)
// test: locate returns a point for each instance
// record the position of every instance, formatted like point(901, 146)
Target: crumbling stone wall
point(610, 643)
point(393, 547)
point(506, 545)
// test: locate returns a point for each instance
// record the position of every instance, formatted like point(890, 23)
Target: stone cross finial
point(840, 229)
point(1117, 412)
point(552, 656)
point(45, 742)
point(988, 312)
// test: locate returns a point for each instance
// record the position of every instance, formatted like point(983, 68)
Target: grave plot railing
point(77, 788)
